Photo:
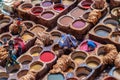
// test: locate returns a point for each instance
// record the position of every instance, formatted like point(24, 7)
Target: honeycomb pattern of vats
point(78, 21)
point(46, 12)
point(107, 31)
point(43, 54)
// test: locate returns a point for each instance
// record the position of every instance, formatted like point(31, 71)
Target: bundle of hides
point(94, 16)
point(15, 29)
point(29, 76)
point(3, 53)
point(111, 53)
point(46, 38)
point(62, 64)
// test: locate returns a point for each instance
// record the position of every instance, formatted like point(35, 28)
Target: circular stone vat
point(57, 76)
point(110, 78)
point(26, 6)
point(59, 7)
point(78, 24)
point(37, 10)
point(93, 62)
point(67, 2)
point(47, 3)
point(83, 72)
point(102, 31)
point(22, 73)
point(36, 66)
point(66, 20)
point(84, 46)
point(35, 51)
point(6, 37)
point(47, 56)
point(48, 15)
point(29, 24)
point(86, 4)
point(78, 56)
point(25, 59)
point(111, 21)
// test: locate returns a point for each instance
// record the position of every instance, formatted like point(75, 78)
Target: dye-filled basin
point(38, 28)
point(66, 20)
point(93, 61)
point(47, 56)
point(70, 68)
point(28, 24)
point(1, 43)
point(83, 73)
point(116, 73)
point(22, 73)
point(84, 46)
point(101, 52)
point(36, 66)
point(102, 31)
point(115, 37)
point(37, 10)
point(59, 7)
point(25, 59)
point(47, 3)
point(67, 2)
point(78, 56)
point(6, 37)
point(57, 76)
point(111, 21)
point(56, 34)
point(86, 4)
point(4, 22)
point(77, 12)
point(26, 6)
point(27, 36)
point(35, 51)
point(47, 14)
point(78, 24)
point(110, 78)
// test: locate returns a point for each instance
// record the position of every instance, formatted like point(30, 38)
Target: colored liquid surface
point(92, 64)
point(116, 38)
point(47, 15)
point(26, 8)
point(102, 33)
point(35, 54)
point(37, 12)
point(79, 59)
point(36, 30)
point(46, 3)
point(66, 20)
point(72, 79)
point(86, 4)
point(78, 24)
point(110, 78)
point(6, 38)
point(59, 8)
point(77, 12)
point(84, 47)
point(26, 37)
point(25, 62)
point(67, 2)
point(116, 74)
point(111, 21)
point(47, 56)
point(55, 77)
point(82, 76)
point(36, 67)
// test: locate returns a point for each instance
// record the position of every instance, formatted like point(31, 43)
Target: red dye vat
point(86, 4)
point(36, 10)
point(110, 78)
point(47, 56)
point(59, 7)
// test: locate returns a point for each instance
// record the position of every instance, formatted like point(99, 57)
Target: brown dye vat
point(77, 12)
point(25, 59)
